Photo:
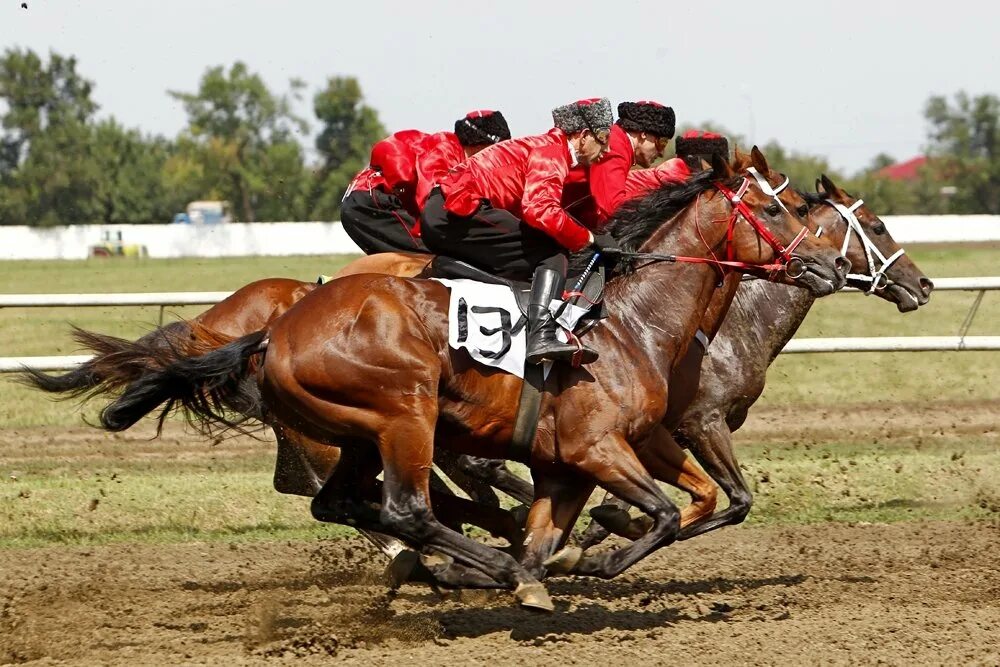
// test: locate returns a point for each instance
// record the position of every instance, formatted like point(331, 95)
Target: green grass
point(794, 379)
point(102, 495)
point(45, 331)
point(893, 377)
point(152, 493)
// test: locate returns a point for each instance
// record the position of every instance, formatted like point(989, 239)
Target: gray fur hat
point(593, 114)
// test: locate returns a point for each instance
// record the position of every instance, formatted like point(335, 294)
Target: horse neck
point(770, 313)
point(661, 304)
point(721, 301)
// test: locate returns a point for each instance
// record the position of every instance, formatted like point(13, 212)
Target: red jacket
point(593, 193)
point(436, 155)
point(409, 163)
point(393, 167)
point(641, 181)
point(523, 176)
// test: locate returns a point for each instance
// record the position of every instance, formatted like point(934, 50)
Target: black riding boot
point(546, 285)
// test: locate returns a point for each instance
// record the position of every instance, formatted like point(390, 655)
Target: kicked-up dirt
point(912, 593)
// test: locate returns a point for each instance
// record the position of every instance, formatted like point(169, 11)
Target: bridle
point(876, 275)
point(786, 261)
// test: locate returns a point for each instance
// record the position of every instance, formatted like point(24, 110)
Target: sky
point(846, 80)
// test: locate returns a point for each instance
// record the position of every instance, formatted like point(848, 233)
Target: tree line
point(243, 143)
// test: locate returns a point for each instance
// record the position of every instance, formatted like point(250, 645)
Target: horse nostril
point(926, 286)
point(843, 265)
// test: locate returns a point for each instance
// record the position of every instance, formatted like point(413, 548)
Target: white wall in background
point(323, 238)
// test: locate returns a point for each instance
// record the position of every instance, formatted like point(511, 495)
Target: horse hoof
point(400, 568)
point(611, 518)
point(534, 596)
point(564, 560)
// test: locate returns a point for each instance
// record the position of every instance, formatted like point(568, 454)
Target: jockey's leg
point(378, 222)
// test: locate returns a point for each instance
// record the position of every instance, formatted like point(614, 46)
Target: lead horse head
point(878, 264)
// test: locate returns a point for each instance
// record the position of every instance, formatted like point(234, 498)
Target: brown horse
point(730, 376)
point(365, 361)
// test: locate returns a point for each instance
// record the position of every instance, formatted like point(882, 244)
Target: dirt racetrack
point(911, 593)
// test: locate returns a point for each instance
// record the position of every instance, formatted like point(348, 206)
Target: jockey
point(500, 210)
point(640, 181)
point(638, 139)
point(381, 209)
point(694, 146)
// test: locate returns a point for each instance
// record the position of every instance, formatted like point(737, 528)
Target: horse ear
point(759, 161)
point(721, 168)
point(828, 185)
point(820, 188)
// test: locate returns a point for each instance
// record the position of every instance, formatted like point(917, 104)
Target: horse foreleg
point(406, 446)
point(711, 443)
point(614, 465)
point(475, 488)
point(559, 499)
point(667, 462)
point(495, 473)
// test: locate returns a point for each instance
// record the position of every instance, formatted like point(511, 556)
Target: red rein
point(785, 258)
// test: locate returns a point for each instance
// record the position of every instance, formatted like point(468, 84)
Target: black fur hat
point(592, 114)
point(644, 116)
point(482, 127)
point(696, 145)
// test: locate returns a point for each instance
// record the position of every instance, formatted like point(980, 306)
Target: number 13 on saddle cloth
point(488, 321)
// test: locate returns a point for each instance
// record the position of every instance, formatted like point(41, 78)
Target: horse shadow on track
point(643, 608)
point(616, 590)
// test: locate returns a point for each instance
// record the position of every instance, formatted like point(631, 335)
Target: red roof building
point(903, 171)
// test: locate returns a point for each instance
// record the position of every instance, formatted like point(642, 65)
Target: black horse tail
point(116, 362)
point(208, 388)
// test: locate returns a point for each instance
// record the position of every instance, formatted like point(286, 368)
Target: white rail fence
point(959, 343)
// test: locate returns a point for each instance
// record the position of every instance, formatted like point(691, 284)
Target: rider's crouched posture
point(381, 210)
point(693, 148)
point(500, 210)
point(638, 138)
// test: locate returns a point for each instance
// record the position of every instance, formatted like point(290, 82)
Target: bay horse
point(745, 339)
point(365, 361)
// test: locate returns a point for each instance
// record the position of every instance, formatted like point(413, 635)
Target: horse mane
point(637, 219)
point(812, 198)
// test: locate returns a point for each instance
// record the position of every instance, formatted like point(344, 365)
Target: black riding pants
point(490, 239)
point(377, 221)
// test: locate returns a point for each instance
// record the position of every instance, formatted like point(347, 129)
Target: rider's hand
point(605, 244)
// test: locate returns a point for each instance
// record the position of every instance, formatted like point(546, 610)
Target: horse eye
point(879, 228)
point(803, 211)
point(772, 209)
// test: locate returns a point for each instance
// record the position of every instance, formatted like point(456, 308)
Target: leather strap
point(528, 408)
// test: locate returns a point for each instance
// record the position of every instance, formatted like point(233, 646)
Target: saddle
point(587, 292)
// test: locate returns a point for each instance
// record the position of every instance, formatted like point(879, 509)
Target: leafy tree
point(38, 96)
point(45, 177)
point(238, 127)
point(349, 130)
point(965, 150)
point(131, 187)
point(56, 182)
